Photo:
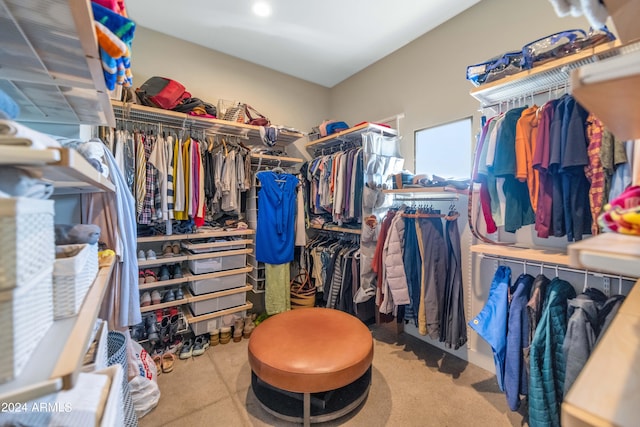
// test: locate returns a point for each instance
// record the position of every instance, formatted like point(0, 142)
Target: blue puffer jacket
point(546, 383)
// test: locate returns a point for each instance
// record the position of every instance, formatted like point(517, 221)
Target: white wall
point(426, 78)
point(212, 75)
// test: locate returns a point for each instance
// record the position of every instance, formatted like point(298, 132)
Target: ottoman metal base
point(309, 408)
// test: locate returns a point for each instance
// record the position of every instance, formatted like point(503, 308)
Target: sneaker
point(141, 256)
point(164, 273)
point(187, 349)
point(178, 293)
point(145, 299)
point(168, 296)
point(151, 254)
point(177, 272)
point(200, 345)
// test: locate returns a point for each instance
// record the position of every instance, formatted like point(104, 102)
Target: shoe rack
point(214, 275)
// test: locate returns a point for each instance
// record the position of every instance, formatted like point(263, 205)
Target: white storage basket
point(205, 326)
point(220, 263)
point(27, 240)
point(74, 271)
point(26, 314)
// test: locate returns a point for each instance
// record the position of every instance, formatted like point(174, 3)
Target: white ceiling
point(324, 42)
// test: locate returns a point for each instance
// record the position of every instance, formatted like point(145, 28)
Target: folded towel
point(39, 140)
point(109, 42)
point(122, 27)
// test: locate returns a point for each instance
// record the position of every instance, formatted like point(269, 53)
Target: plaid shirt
point(594, 171)
point(151, 184)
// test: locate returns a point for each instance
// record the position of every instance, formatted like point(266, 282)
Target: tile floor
point(413, 384)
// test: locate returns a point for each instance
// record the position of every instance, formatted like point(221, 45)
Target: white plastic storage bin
point(220, 263)
point(218, 245)
point(216, 304)
point(206, 326)
point(27, 240)
point(26, 314)
point(258, 284)
point(74, 271)
point(216, 283)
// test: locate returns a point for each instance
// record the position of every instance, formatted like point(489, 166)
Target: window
point(445, 150)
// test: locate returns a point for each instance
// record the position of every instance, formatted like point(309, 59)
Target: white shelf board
point(542, 255)
point(197, 235)
point(194, 319)
point(607, 252)
point(55, 365)
point(50, 62)
point(336, 229)
point(26, 156)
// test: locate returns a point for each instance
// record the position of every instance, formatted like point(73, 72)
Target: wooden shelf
point(350, 134)
point(164, 283)
point(542, 78)
point(204, 297)
point(606, 391)
point(51, 66)
point(162, 305)
point(336, 229)
point(25, 156)
point(608, 252)
point(250, 133)
point(55, 365)
point(207, 255)
point(162, 261)
point(611, 90)
point(74, 174)
point(545, 256)
point(203, 235)
point(65, 168)
point(194, 319)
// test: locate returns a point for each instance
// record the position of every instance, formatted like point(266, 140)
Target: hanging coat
point(453, 324)
point(546, 384)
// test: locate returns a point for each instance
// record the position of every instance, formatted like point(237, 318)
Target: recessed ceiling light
point(262, 9)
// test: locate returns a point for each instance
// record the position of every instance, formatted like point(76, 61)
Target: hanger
point(586, 275)
point(620, 285)
point(542, 268)
point(525, 267)
point(556, 271)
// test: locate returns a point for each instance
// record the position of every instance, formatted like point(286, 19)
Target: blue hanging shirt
point(275, 233)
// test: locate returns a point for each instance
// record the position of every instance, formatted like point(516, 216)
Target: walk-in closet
point(276, 214)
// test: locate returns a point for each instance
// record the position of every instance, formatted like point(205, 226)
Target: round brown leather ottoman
point(311, 364)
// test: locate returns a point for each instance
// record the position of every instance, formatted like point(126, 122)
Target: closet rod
point(181, 125)
point(555, 266)
point(427, 199)
point(527, 95)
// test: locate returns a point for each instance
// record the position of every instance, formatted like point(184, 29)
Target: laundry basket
point(74, 271)
point(117, 351)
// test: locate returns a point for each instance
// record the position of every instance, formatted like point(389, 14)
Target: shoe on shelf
point(167, 362)
point(168, 296)
point(167, 249)
point(187, 349)
point(174, 322)
point(164, 330)
point(156, 297)
point(173, 311)
point(176, 248)
point(152, 334)
point(141, 278)
point(164, 273)
point(150, 276)
point(178, 294)
point(145, 299)
point(141, 256)
point(177, 272)
point(151, 254)
point(139, 331)
point(200, 345)
point(159, 313)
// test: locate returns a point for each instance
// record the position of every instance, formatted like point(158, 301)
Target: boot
point(237, 330)
point(215, 337)
point(225, 334)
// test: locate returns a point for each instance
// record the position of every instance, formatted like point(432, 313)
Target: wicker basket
point(303, 293)
point(27, 240)
point(26, 314)
point(74, 271)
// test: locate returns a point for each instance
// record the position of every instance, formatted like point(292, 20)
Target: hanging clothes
point(491, 322)
point(546, 384)
point(453, 330)
point(276, 217)
point(516, 382)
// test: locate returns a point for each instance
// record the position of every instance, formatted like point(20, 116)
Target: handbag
point(257, 121)
point(303, 293)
